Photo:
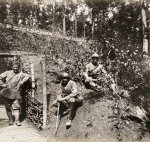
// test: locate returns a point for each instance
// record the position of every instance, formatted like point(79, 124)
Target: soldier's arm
point(73, 92)
point(3, 75)
point(85, 73)
point(25, 78)
point(100, 67)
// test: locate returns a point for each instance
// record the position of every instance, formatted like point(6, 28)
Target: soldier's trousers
point(11, 103)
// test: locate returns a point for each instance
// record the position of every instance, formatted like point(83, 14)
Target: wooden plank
point(44, 95)
point(33, 80)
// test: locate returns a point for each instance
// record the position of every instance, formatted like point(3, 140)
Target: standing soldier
point(104, 51)
point(11, 83)
point(91, 73)
point(69, 98)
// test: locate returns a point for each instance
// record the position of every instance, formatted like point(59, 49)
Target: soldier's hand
point(54, 103)
point(59, 98)
point(88, 79)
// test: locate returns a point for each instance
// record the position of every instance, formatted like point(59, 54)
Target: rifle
point(58, 120)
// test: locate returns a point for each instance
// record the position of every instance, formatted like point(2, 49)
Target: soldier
point(91, 73)
point(69, 98)
point(11, 83)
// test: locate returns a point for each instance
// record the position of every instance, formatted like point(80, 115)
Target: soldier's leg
point(72, 103)
point(9, 114)
point(8, 105)
point(94, 85)
point(72, 112)
point(16, 110)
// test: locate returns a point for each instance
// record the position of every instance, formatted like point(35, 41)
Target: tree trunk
point(54, 10)
point(93, 25)
point(64, 18)
point(75, 23)
point(149, 39)
point(84, 24)
point(145, 27)
point(103, 19)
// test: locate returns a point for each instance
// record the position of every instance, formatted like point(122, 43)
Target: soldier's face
point(16, 69)
point(65, 80)
point(95, 61)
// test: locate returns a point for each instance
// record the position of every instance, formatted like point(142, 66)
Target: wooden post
point(44, 96)
point(33, 80)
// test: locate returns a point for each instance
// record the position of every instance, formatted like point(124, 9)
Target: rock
point(141, 113)
point(137, 114)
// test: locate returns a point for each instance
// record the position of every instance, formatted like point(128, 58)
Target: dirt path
point(25, 133)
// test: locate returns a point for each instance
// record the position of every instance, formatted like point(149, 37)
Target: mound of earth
point(94, 121)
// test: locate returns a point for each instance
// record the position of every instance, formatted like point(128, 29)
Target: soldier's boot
point(17, 121)
point(9, 114)
point(68, 123)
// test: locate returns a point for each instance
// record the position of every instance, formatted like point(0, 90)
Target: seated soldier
point(10, 91)
point(91, 73)
point(68, 99)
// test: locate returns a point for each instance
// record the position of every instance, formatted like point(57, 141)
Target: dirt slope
point(93, 122)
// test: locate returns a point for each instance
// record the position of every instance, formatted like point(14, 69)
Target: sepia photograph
point(74, 70)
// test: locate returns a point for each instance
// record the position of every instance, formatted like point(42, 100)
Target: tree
point(75, 20)
point(99, 8)
point(15, 10)
point(3, 11)
point(144, 8)
point(54, 12)
point(64, 17)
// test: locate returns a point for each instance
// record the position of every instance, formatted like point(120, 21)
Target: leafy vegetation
point(122, 31)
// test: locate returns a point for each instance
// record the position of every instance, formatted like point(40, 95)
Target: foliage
point(3, 11)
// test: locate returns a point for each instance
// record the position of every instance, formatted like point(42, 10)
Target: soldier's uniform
point(11, 94)
point(72, 98)
point(92, 71)
point(90, 68)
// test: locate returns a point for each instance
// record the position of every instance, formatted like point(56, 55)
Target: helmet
point(95, 55)
point(66, 75)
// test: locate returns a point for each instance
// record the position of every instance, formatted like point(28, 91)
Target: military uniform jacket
point(13, 81)
point(90, 68)
point(71, 89)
